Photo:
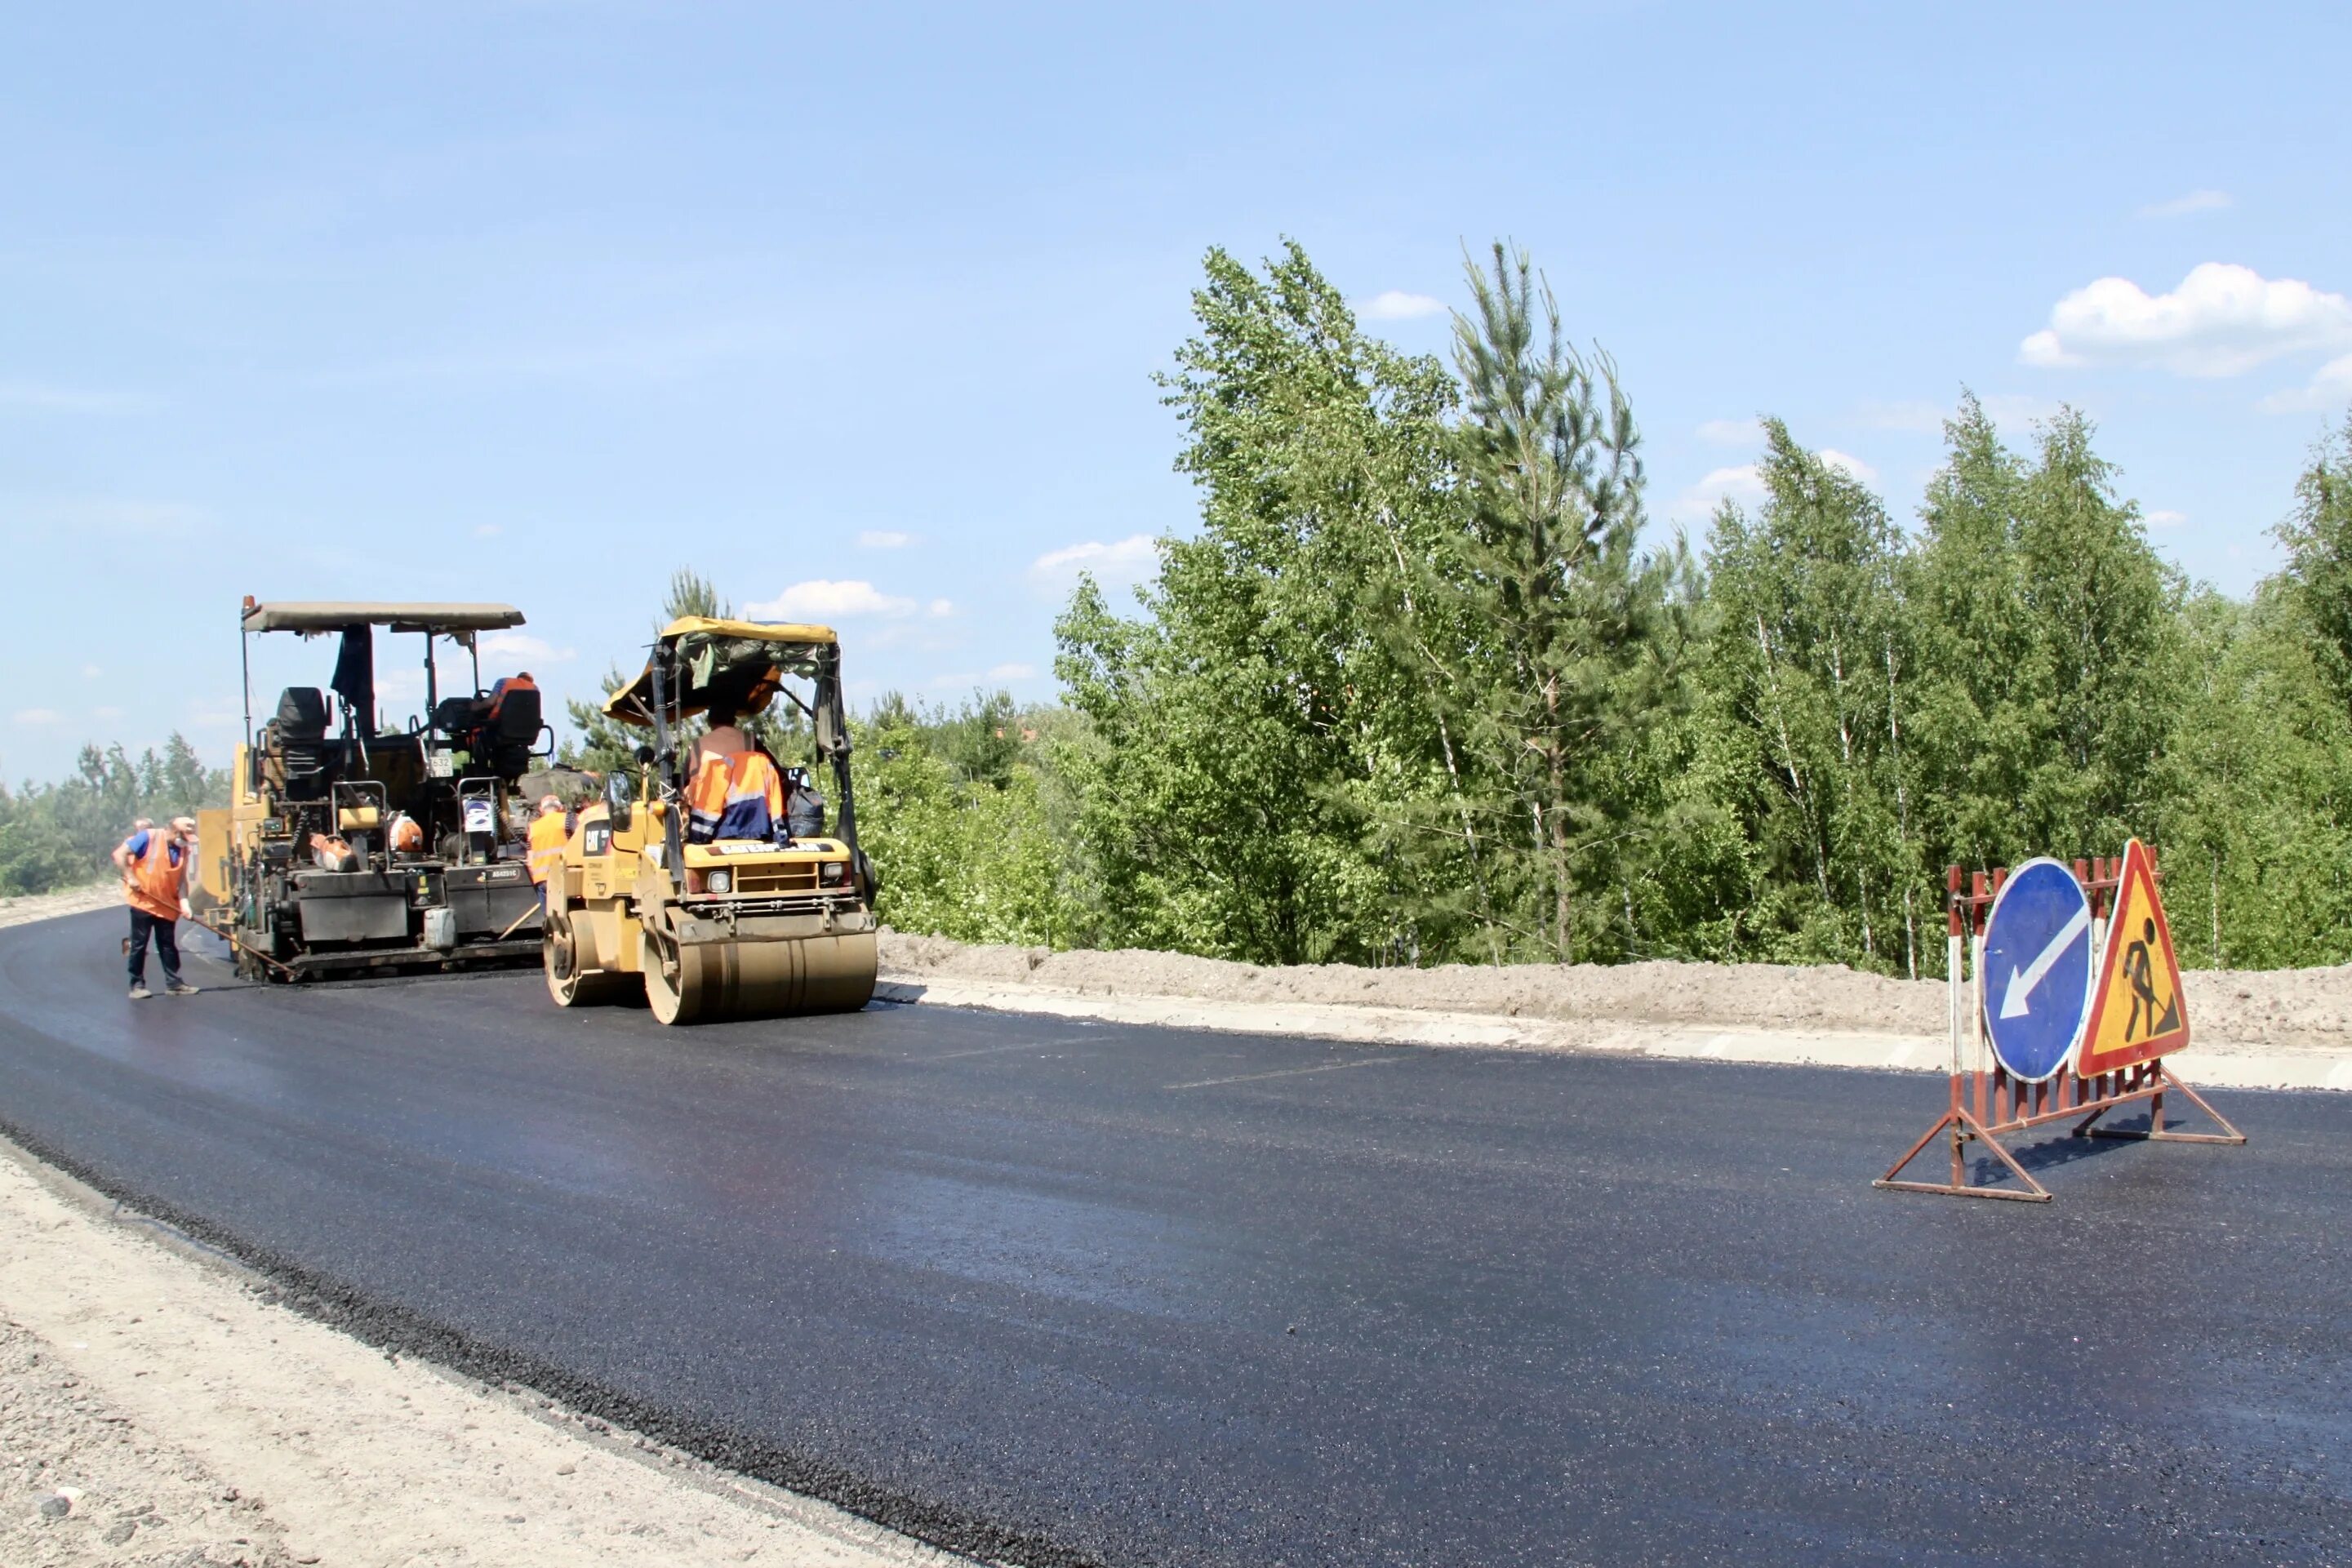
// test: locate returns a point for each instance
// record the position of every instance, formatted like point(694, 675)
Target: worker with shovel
point(154, 863)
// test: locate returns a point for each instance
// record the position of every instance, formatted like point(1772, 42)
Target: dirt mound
point(1754, 995)
point(2304, 1009)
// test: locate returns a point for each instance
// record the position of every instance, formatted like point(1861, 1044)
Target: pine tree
point(2318, 540)
point(1560, 652)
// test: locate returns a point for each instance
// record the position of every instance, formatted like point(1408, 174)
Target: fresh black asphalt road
point(1074, 1292)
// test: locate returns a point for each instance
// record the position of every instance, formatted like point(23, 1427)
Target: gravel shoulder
point(26, 907)
point(157, 1407)
point(2253, 1028)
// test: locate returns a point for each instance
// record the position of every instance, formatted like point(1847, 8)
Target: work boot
point(180, 989)
point(139, 991)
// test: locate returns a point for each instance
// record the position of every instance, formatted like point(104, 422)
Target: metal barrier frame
point(1986, 1102)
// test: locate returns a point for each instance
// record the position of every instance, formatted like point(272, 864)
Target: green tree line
point(61, 834)
point(1427, 686)
point(1424, 687)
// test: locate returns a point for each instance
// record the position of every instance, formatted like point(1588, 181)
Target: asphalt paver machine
point(351, 845)
point(706, 922)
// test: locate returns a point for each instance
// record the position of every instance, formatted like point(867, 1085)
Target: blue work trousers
point(167, 946)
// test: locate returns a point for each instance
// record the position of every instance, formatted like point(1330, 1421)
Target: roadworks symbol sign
point(2137, 1012)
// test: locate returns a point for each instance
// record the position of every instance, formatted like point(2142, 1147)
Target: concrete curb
point(2221, 1066)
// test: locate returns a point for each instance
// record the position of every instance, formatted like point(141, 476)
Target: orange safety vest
point(547, 835)
point(706, 799)
point(499, 693)
point(752, 774)
point(155, 883)
point(722, 782)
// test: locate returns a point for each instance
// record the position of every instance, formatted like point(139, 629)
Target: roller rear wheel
point(560, 956)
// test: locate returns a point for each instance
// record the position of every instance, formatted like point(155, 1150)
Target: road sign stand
point(2156, 1130)
point(1985, 1104)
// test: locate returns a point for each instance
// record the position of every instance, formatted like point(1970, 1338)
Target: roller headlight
point(832, 872)
point(720, 882)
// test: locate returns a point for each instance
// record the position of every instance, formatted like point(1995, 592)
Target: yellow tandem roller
point(656, 899)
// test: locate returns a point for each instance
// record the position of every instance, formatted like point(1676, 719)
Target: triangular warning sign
point(2137, 1011)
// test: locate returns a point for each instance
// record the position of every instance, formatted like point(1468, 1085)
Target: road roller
point(713, 879)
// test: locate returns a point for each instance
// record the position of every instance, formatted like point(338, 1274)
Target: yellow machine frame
point(727, 929)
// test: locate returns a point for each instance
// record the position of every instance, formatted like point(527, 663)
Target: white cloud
point(1919, 416)
point(1742, 483)
point(2014, 411)
point(521, 645)
point(2181, 206)
point(819, 600)
point(92, 671)
point(1854, 468)
point(119, 515)
point(36, 715)
point(400, 683)
point(884, 539)
point(1396, 305)
point(2166, 519)
point(1127, 561)
point(659, 355)
point(2330, 388)
point(487, 530)
point(1730, 432)
point(995, 675)
point(2222, 320)
point(1916, 414)
point(106, 712)
point(942, 608)
point(62, 400)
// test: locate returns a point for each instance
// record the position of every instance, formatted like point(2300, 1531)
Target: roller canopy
point(742, 660)
point(325, 616)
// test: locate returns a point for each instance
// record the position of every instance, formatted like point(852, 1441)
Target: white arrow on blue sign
point(2036, 977)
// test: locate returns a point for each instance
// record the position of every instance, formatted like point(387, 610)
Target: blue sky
point(855, 308)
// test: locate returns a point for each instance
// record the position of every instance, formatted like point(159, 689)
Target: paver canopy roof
point(328, 615)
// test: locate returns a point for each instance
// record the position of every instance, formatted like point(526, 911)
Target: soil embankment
point(2235, 1011)
point(30, 906)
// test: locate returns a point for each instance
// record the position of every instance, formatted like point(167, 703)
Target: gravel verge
point(2284, 1027)
point(89, 1484)
point(153, 1397)
point(27, 908)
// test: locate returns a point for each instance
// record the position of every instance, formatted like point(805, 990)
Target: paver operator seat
point(296, 743)
point(497, 729)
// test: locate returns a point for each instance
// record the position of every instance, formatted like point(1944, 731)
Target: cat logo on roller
point(2137, 1011)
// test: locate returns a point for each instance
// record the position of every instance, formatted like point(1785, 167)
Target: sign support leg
point(2166, 1081)
point(1964, 1126)
point(1957, 1120)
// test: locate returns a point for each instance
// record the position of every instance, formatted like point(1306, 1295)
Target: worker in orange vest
point(549, 831)
point(154, 863)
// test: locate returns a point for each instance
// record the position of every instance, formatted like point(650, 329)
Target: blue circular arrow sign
point(2035, 981)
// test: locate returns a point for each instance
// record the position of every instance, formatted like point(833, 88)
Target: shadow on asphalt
point(220, 971)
